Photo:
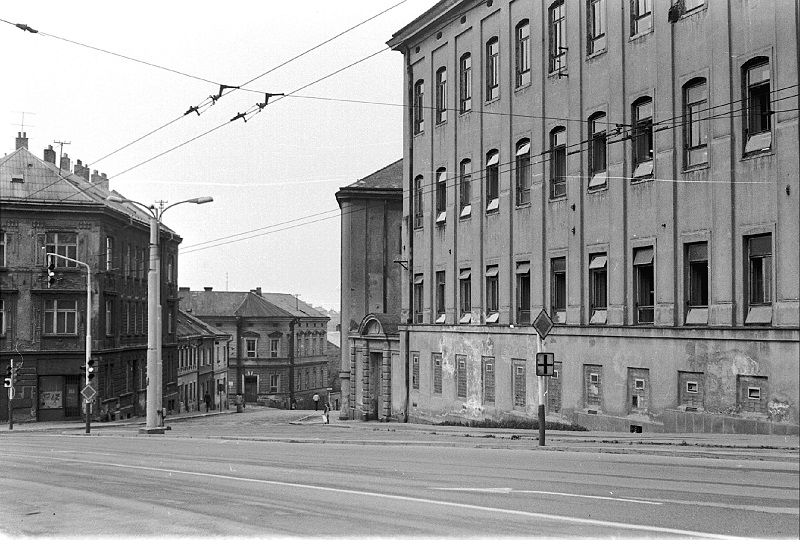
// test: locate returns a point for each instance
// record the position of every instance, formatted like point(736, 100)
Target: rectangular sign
point(545, 364)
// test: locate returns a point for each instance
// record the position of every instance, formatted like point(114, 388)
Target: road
point(120, 484)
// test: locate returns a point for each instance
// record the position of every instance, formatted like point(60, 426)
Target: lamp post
point(154, 388)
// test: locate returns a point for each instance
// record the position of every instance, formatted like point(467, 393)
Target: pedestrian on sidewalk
point(207, 399)
point(316, 401)
point(326, 414)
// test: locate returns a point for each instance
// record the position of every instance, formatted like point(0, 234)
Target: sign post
point(543, 324)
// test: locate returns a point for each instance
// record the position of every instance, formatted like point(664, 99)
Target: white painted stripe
point(746, 507)
point(522, 513)
point(558, 494)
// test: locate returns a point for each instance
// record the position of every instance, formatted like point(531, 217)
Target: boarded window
point(488, 379)
point(415, 371)
point(638, 390)
point(520, 382)
point(593, 386)
point(752, 392)
point(554, 390)
point(437, 373)
point(461, 376)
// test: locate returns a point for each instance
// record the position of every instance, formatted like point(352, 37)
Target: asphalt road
point(120, 484)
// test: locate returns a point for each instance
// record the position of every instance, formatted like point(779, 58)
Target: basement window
point(753, 392)
point(639, 384)
point(691, 387)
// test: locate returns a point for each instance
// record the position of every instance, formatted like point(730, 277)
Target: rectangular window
point(465, 295)
point(492, 294)
point(466, 188)
point(596, 22)
point(523, 292)
point(415, 371)
point(519, 383)
point(3, 244)
point(598, 288)
point(129, 262)
point(558, 289)
point(643, 138)
point(440, 289)
point(558, 45)
point(752, 393)
point(109, 254)
point(644, 285)
point(60, 317)
point(274, 383)
point(437, 373)
point(273, 348)
point(419, 107)
point(523, 170)
point(492, 180)
point(250, 347)
point(488, 379)
point(695, 124)
point(418, 298)
point(597, 151)
point(441, 95)
point(492, 69)
point(759, 279)
point(461, 376)
point(2, 317)
point(65, 244)
point(465, 84)
point(418, 202)
point(697, 283)
point(641, 16)
point(523, 67)
point(558, 163)
point(758, 111)
point(593, 387)
point(441, 196)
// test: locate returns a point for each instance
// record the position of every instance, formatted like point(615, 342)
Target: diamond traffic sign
point(88, 393)
point(543, 324)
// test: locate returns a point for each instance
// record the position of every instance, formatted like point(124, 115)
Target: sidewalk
point(304, 426)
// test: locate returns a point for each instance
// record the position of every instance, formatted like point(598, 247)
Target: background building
point(632, 169)
point(202, 363)
point(371, 217)
point(46, 208)
point(278, 354)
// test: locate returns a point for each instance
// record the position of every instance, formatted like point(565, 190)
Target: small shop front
point(58, 397)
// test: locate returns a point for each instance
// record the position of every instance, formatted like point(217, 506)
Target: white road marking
point(522, 513)
point(509, 490)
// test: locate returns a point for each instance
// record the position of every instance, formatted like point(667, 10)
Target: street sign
point(88, 393)
point(543, 324)
point(545, 364)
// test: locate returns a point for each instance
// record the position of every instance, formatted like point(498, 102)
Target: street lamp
point(154, 398)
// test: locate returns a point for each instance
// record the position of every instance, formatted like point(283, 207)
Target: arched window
point(492, 180)
point(492, 69)
point(419, 96)
point(465, 83)
point(597, 150)
point(757, 107)
point(558, 42)
point(523, 171)
point(441, 95)
point(695, 122)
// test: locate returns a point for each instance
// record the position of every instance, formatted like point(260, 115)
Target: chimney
point(22, 140)
point(104, 179)
point(257, 290)
point(96, 178)
point(50, 154)
point(81, 171)
point(208, 289)
point(65, 162)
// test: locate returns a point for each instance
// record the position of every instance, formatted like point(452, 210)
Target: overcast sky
point(283, 164)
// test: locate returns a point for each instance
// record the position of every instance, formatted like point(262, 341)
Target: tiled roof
point(233, 304)
point(189, 326)
point(389, 177)
point(292, 304)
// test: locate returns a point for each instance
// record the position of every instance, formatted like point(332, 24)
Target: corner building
point(632, 169)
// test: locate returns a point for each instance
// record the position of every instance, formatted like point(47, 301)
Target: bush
point(514, 423)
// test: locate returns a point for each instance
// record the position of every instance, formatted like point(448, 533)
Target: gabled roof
point(188, 326)
point(235, 304)
point(293, 305)
point(386, 183)
point(26, 178)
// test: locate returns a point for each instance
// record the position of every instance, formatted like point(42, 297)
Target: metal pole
point(152, 326)
point(539, 347)
point(10, 397)
point(88, 342)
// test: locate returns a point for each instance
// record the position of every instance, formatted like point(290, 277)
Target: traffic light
point(90, 369)
point(8, 381)
point(51, 273)
point(17, 375)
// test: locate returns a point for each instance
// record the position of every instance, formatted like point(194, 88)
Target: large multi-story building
point(371, 218)
point(202, 364)
point(631, 168)
point(277, 356)
point(49, 208)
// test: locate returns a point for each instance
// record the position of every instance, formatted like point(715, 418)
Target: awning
point(524, 149)
point(418, 279)
point(523, 267)
point(643, 256)
point(598, 261)
point(465, 273)
point(491, 271)
point(494, 159)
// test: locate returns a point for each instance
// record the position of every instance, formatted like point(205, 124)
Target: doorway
point(375, 394)
point(250, 389)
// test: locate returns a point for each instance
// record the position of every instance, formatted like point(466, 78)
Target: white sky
point(284, 163)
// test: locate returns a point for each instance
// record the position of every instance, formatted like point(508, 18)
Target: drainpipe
point(292, 324)
point(409, 227)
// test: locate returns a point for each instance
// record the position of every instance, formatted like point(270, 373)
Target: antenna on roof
point(61, 149)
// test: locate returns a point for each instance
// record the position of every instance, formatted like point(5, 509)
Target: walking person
point(316, 401)
point(326, 414)
point(207, 399)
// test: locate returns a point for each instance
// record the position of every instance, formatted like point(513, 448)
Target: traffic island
point(152, 430)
